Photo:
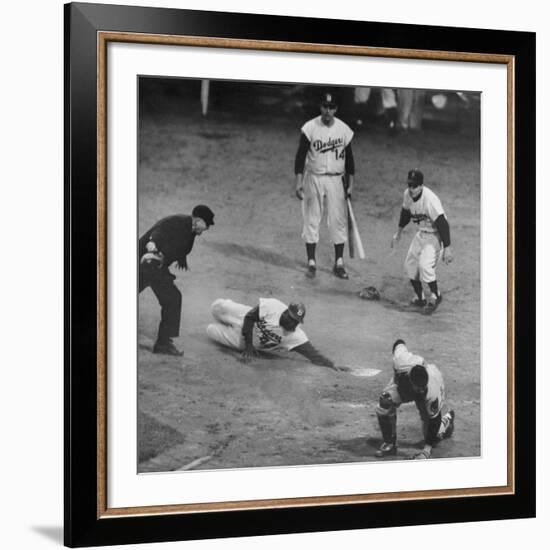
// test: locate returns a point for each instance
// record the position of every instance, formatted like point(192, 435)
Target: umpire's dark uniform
point(174, 237)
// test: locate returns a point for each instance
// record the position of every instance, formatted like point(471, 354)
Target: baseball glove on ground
point(369, 293)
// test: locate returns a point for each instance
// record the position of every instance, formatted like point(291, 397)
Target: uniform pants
point(317, 188)
point(361, 94)
point(388, 98)
point(227, 328)
point(423, 256)
point(410, 107)
point(162, 284)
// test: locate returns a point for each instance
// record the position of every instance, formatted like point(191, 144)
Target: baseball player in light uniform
point(389, 104)
point(433, 239)
point(269, 326)
point(323, 157)
point(413, 380)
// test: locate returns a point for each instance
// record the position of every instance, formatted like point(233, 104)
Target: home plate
point(363, 371)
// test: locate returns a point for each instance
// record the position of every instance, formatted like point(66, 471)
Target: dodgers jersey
point(327, 153)
point(268, 334)
point(404, 361)
point(425, 210)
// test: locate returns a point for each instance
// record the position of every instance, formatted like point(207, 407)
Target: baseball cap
point(328, 99)
point(415, 178)
point(297, 311)
point(202, 211)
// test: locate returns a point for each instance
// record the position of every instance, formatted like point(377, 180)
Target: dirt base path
point(207, 410)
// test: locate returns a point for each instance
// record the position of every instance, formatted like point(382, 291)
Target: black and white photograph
point(309, 274)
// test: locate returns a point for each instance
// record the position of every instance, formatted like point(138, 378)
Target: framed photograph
point(299, 274)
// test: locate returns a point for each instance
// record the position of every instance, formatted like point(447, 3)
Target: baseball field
point(207, 410)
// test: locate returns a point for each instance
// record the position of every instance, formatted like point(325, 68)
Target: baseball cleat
point(386, 449)
point(418, 302)
point(166, 348)
point(450, 416)
point(340, 272)
point(432, 304)
point(311, 271)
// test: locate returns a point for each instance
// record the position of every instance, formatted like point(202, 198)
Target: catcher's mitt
point(369, 293)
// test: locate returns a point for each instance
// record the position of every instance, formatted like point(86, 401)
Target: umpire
point(169, 240)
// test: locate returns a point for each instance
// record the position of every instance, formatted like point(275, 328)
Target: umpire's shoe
point(166, 347)
point(386, 449)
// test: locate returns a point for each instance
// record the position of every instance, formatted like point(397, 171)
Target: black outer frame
point(82, 527)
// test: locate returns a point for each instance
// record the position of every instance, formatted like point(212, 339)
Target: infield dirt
point(209, 411)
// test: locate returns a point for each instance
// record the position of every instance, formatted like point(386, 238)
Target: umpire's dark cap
point(202, 211)
point(297, 311)
point(415, 178)
point(328, 99)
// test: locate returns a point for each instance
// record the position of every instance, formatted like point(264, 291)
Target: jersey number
point(341, 155)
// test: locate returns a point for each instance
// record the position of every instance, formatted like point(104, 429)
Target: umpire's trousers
point(162, 284)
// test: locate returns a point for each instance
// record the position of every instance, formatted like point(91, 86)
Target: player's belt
point(428, 232)
point(330, 174)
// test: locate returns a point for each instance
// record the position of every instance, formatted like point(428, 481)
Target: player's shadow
point(146, 346)
point(395, 305)
point(366, 447)
point(346, 292)
point(373, 442)
point(254, 253)
point(236, 354)
point(358, 446)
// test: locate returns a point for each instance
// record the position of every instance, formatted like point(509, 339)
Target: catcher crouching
point(413, 380)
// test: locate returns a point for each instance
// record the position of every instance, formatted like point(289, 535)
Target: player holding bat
point(324, 155)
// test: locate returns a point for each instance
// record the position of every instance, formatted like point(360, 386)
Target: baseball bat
point(356, 236)
point(351, 244)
